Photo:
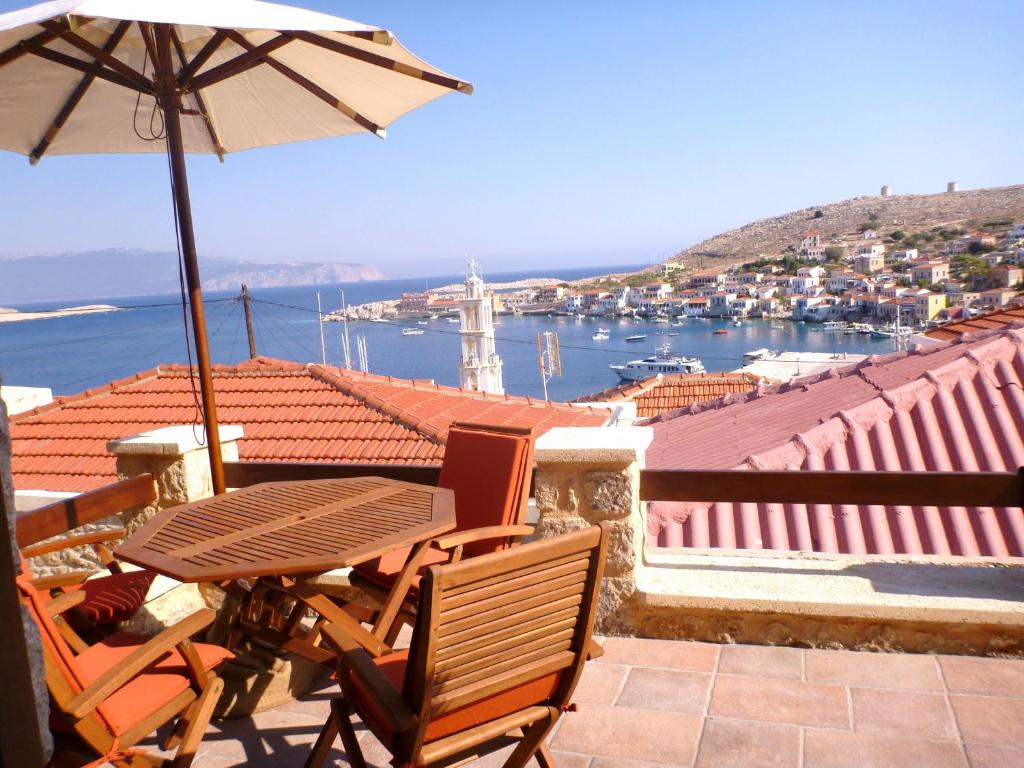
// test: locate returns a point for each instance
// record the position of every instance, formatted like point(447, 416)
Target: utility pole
point(247, 304)
point(548, 358)
point(320, 322)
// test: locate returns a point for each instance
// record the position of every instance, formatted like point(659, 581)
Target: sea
point(72, 354)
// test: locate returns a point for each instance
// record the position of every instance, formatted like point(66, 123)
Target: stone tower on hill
point(480, 366)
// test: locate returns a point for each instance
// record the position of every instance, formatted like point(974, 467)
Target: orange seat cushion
point(505, 703)
point(110, 599)
point(384, 570)
point(150, 690)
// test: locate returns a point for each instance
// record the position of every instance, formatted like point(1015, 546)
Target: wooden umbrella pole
point(169, 100)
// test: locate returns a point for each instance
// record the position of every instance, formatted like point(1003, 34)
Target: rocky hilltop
point(910, 213)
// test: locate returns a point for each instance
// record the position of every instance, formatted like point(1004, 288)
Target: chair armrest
point(66, 601)
point(460, 538)
point(358, 662)
point(57, 580)
point(129, 667)
point(109, 534)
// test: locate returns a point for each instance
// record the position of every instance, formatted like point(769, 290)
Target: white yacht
point(601, 335)
point(662, 361)
point(412, 331)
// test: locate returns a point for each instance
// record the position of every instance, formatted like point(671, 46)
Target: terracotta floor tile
point(618, 762)
point(982, 756)
point(887, 670)
point(671, 654)
point(762, 661)
point(740, 744)
point(989, 677)
point(626, 732)
point(668, 689)
point(780, 701)
point(274, 737)
point(908, 713)
point(849, 749)
point(990, 721)
point(600, 684)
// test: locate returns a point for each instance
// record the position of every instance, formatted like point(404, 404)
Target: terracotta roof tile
point(658, 394)
point(289, 412)
point(998, 318)
point(953, 406)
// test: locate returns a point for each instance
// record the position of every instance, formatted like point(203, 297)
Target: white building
point(480, 366)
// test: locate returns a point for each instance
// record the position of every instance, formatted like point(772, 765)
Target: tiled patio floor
point(650, 703)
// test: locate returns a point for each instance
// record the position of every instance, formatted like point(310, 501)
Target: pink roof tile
point(956, 406)
point(288, 411)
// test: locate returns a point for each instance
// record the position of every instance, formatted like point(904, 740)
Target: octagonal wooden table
point(273, 538)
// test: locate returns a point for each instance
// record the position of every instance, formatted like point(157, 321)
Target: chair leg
point(396, 627)
point(178, 732)
point(532, 741)
point(544, 757)
point(199, 718)
point(339, 722)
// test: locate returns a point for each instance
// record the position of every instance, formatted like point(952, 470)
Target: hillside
point(910, 213)
point(134, 272)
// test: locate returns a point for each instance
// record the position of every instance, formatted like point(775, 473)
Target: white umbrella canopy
point(322, 76)
point(90, 76)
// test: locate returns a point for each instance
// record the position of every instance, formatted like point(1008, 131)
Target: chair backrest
point(489, 469)
point(64, 677)
point(504, 631)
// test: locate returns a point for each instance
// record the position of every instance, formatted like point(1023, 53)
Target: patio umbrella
point(179, 76)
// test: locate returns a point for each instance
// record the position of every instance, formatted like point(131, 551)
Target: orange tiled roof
point(289, 412)
point(660, 394)
point(999, 318)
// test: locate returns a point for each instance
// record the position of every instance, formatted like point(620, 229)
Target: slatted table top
point(282, 528)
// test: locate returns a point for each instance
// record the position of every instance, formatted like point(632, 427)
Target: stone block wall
point(587, 476)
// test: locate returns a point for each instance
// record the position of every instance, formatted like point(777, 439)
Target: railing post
point(585, 476)
point(178, 462)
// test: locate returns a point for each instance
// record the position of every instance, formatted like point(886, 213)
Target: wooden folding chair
point(106, 600)
point(114, 693)
point(489, 468)
point(497, 650)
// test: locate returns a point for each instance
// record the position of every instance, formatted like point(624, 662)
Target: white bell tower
point(480, 366)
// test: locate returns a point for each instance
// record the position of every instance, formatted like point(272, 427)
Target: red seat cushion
point(504, 703)
point(487, 471)
point(110, 599)
point(150, 690)
point(384, 570)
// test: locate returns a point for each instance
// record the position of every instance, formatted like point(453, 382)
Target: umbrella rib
point(180, 49)
point(190, 69)
point(19, 49)
point(83, 66)
point(86, 47)
point(382, 61)
point(312, 87)
point(236, 66)
point(76, 96)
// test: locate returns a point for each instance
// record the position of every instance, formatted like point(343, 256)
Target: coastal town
point(876, 277)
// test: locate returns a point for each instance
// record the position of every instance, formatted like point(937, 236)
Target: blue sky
point(599, 133)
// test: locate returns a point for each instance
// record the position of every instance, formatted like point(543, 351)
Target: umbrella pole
point(170, 103)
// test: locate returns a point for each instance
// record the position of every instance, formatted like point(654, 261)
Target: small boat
point(452, 320)
point(762, 353)
point(603, 330)
point(378, 320)
point(432, 317)
point(637, 337)
point(421, 322)
point(672, 334)
point(660, 319)
point(413, 331)
point(737, 321)
point(778, 327)
point(600, 336)
point(662, 362)
point(720, 332)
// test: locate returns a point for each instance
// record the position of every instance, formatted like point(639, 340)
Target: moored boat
point(661, 362)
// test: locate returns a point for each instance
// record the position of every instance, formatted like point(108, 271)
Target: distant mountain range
point(134, 272)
